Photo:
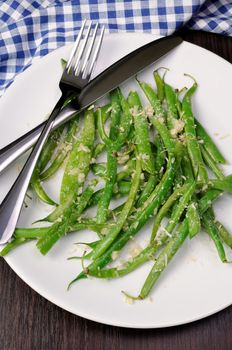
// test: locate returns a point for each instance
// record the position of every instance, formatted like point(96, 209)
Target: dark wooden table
point(29, 322)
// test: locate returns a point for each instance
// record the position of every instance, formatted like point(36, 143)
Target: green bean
point(178, 103)
point(148, 209)
point(111, 175)
point(164, 258)
point(98, 149)
point(186, 166)
point(99, 169)
point(209, 144)
point(194, 221)
point(141, 133)
point(166, 178)
point(12, 245)
point(191, 139)
point(160, 156)
point(55, 232)
point(124, 127)
point(172, 112)
point(166, 207)
point(37, 187)
point(212, 230)
point(70, 215)
point(158, 120)
point(24, 235)
point(211, 163)
point(128, 170)
point(63, 151)
point(44, 158)
point(178, 210)
point(77, 167)
point(114, 213)
point(125, 124)
point(37, 232)
point(224, 234)
point(178, 181)
point(145, 255)
point(115, 230)
point(224, 185)
point(106, 111)
point(89, 224)
point(150, 185)
point(89, 244)
point(100, 126)
point(112, 147)
point(32, 233)
point(167, 254)
point(122, 188)
point(49, 148)
point(79, 160)
point(207, 199)
point(115, 113)
point(159, 85)
point(95, 198)
point(131, 136)
point(188, 176)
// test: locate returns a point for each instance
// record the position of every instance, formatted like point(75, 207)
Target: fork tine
point(96, 53)
point(81, 52)
point(76, 44)
point(90, 49)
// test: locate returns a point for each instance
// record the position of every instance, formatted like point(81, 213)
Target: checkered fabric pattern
point(30, 29)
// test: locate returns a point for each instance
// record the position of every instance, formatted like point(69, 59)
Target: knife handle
point(15, 149)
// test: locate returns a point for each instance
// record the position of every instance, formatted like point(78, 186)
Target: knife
point(106, 81)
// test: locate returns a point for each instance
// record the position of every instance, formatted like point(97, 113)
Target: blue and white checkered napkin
point(32, 28)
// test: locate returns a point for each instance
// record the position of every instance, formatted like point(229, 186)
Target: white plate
point(196, 284)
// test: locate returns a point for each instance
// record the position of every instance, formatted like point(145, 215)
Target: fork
point(76, 75)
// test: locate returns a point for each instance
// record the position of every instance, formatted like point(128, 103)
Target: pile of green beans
point(158, 157)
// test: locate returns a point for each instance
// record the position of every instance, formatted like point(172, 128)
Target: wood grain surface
point(29, 322)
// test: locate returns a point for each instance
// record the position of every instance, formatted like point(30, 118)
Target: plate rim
point(45, 294)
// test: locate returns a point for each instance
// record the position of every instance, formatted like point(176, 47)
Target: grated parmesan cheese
point(144, 156)
point(73, 172)
point(83, 148)
point(135, 250)
point(93, 161)
point(149, 111)
point(114, 255)
point(178, 126)
point(123, 159)
point(134, 111)
point(110, 109)
point(104, 231)
point(81, 177)
point(182, 138)
point(127, 299)
point(161, 120)
point(65, 147)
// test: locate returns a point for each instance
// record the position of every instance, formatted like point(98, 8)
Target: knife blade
point(106, 81)
point(125, 68)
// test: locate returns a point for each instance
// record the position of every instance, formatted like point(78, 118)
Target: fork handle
point(11, 205)
point(15, 149)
